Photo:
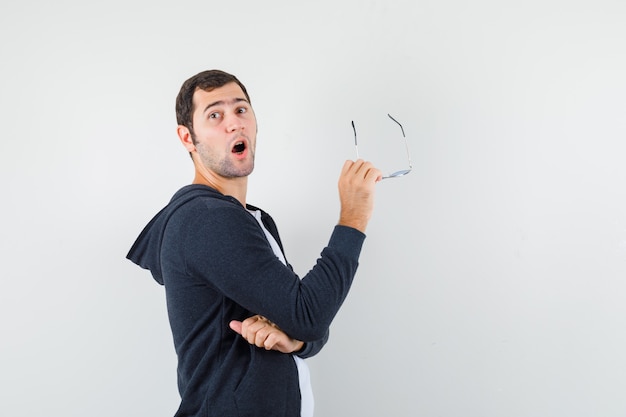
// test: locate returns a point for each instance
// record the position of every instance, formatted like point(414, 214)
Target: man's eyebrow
point(222, 102)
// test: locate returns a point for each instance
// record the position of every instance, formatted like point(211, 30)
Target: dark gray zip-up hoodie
point(217, 266)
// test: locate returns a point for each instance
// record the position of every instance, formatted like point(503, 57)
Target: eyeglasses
point(406, 144)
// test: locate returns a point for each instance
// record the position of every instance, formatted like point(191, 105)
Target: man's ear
point(185, 138)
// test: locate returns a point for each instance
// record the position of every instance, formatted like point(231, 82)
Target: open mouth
point(239, 147)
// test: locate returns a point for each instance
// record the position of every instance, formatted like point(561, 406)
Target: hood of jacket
point(146, 251)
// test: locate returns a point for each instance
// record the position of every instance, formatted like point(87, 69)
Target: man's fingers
point(346, 167)
point(251, 324)
point(271, 341)
point(374, 174)
point(254, 329)
point(264, 334)
point(236, 326)
point(261, 336)
point(361, 169)
point(259, 331)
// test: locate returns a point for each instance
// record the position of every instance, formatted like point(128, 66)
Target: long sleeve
point(225, 249)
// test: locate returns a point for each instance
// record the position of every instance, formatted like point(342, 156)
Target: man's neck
point(234, 187)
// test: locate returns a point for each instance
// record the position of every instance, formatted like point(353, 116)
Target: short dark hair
point(207, 81)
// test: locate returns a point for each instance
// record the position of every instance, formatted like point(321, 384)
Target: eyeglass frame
point(396, 174)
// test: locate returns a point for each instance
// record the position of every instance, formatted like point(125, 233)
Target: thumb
point(235, 325)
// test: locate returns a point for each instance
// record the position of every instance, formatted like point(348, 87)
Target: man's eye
point(242, 110)
point(214, 115)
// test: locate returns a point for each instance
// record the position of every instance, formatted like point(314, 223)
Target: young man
point(241, 319)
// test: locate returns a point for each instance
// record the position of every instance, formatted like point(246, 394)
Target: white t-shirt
point(306, 390)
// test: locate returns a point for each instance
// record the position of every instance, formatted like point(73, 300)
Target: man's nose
point(233, 123)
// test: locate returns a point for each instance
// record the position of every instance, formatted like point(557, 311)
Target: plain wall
point(492, 280)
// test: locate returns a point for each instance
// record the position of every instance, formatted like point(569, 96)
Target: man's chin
point(238, 173)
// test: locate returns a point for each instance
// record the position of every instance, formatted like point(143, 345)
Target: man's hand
point(261, 332)
point(356, 193)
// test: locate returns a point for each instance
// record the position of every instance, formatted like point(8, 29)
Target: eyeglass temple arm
point(356, 146)
point(406, 143)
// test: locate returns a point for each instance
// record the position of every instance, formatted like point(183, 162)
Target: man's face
point(225, 129)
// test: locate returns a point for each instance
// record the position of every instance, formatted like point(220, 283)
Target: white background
point(492, 280)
